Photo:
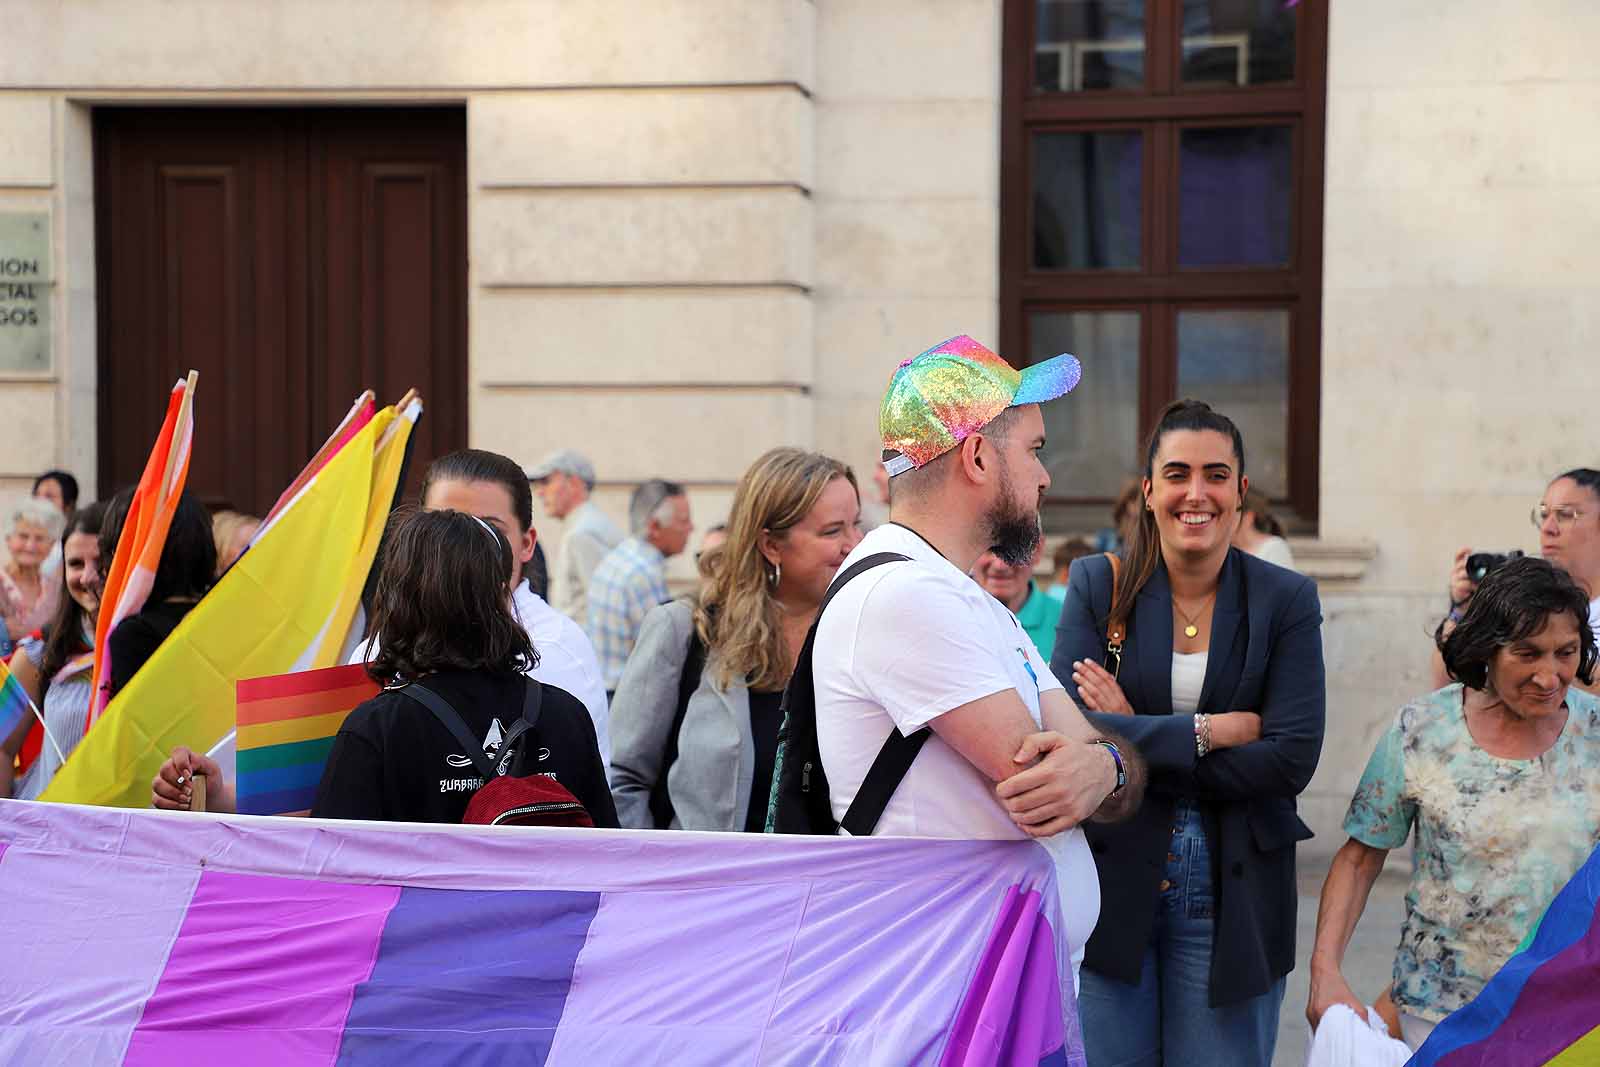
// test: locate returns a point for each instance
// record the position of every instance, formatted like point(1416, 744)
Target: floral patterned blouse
point(1496, 840)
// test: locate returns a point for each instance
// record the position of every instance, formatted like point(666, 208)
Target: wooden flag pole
point(184, 409)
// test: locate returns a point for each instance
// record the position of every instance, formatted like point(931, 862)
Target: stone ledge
point(1331, 562)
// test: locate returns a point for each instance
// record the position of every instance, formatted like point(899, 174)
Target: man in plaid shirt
point(632, 578)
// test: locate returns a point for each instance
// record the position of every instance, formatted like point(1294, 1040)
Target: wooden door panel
point(293, 257)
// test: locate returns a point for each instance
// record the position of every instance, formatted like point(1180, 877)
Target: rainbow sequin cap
point(938, 399)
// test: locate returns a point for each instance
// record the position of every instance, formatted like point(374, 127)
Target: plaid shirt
point(630, 581)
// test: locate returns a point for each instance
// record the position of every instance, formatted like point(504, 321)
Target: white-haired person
point(27, 599)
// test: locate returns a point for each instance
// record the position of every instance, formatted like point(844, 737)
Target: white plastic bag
point(1342, 1040)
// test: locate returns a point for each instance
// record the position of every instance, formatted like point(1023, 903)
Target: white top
point(566, 658)
point(1594, 617)
point(901, 645)
point(1188, 677)
point(1276, 550)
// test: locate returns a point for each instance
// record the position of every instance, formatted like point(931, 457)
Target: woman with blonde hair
point(694, 724)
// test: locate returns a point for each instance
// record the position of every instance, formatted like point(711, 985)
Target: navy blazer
point(1266, 657)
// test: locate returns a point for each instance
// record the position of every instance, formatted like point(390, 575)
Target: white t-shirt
point(1594, 617)
point(901, 645)
point(566, 658)
point(1188, 679)
point(1276, 550)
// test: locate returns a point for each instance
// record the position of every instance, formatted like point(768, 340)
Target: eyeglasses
point(1564, 516)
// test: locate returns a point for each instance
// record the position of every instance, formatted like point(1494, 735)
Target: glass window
point(1235, 196)
point(1238, 42)
point(1237, 361)
point(1086, 200)
point(1092, 436)
point(1088, 44)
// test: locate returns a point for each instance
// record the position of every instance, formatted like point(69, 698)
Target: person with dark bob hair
point(188, 567)
point(443, 605)
point(1499, 773)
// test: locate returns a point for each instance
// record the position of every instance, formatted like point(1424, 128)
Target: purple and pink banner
point(144, 938)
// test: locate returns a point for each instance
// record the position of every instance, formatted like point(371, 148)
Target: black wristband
point(1116, 757)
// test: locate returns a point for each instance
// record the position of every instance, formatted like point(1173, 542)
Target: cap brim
point(538, 474)
point(1053, 378)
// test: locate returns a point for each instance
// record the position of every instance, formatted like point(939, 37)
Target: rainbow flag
point(14, 703)
point(287, 723)
point(1543, 1006)
point(221, 939)
point(132, 571)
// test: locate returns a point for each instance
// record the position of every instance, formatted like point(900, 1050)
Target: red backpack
point(510, 795)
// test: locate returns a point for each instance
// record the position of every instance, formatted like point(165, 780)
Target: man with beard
point(917, 643)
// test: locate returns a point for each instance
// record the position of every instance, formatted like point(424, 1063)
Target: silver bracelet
point(1202, 736)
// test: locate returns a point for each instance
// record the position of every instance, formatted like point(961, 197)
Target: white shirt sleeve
point(1041, 669)
point(921, 649)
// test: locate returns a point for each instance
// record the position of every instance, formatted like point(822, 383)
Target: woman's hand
point(1230, 729)
point(173, 786)
point(1461, 586)
point(1327, 989)
point(1098, 689)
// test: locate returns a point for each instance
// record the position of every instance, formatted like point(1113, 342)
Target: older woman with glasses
point(1499, 777)
point(1568, 521)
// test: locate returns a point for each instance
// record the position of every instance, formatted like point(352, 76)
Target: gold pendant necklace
point(1191, 630)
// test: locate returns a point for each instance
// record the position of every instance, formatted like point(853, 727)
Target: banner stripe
point(290, 802)
point(305, 945)
point(488, 970)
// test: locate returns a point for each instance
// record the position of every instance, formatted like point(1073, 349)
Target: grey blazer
point(710, 782)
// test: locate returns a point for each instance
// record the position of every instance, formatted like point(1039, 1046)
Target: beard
point(1013, 530)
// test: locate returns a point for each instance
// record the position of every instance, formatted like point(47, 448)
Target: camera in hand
point(1481, 564)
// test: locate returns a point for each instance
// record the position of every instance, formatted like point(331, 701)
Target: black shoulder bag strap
point(533, 699)
point(899, 751)
point(694, 665)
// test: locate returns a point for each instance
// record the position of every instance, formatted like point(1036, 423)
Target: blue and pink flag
point(151, 938)
point(1543, 1006)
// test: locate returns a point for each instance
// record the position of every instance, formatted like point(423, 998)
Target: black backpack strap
point(447, 716)
point(511, 745)
point(894, 759)
point(888, 770)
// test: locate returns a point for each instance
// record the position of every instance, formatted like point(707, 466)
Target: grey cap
point(564, 461)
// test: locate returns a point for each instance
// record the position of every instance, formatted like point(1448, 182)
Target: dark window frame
point(1160, 289)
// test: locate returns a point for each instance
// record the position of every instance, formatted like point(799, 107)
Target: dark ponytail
point(1142, 551)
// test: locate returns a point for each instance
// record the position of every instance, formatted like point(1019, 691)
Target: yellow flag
point(275, 610)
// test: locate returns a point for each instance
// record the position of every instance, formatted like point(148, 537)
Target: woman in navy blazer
point(1220, 685)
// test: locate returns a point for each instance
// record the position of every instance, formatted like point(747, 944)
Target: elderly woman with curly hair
point(1498, 775)
point(694, 726)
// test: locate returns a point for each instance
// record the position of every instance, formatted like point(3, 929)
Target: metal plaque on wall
point(25, 284)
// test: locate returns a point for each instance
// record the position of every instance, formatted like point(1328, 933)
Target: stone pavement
point(1367, 964)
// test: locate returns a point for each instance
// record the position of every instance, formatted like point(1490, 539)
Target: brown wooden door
point(294, 258)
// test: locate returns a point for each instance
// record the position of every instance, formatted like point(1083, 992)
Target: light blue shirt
point(630, 581)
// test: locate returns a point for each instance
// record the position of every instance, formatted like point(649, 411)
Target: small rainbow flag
point(287, 723)
point(14, 703)
point(1543, 1006)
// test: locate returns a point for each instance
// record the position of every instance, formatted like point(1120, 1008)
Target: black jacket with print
point(392, 761)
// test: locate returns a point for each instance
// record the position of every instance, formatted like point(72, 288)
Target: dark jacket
point(1266, 657)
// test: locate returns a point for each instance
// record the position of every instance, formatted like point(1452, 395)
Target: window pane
point(1089, 44)
point(1092, 435)
point(1086, 197)
point(1235, 196)
point(1238, 362)
point(1238, 42)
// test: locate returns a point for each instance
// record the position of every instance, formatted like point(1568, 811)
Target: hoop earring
point(777, 575)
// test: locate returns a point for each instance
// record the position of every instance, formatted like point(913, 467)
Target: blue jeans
point(1166, 1020)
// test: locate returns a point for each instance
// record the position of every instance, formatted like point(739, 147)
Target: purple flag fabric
point(155, 937)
